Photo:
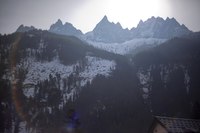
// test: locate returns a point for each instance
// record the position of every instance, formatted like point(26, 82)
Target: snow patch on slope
point(96, 66)
point(40, 71)
point(128, 46)
point(144, 79)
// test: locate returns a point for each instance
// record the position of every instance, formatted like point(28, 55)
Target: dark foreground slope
point(169, 77)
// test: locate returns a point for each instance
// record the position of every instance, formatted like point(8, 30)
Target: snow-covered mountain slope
point(48, 61)
point(49, 71)
point(127, 47)
point(41, 71)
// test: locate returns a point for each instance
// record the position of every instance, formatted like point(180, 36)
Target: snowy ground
point(40, 71)
point(96, 66)
point(128, 46)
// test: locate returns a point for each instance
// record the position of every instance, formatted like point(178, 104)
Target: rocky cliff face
point(160, 28)
point(65, 29)
point(109, 32)
point(23, 28)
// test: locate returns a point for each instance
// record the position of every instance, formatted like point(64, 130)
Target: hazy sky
point(85, 14)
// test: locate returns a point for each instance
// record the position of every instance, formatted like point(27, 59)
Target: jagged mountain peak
point(157, 27)
point(158, 19)
point(109, 32)
point(105, 18)
point(119, 25)
point(169, 19)
point(104, 21)
point(23, 28)
point(59, 22)
point(140, 23)
point(154, 19)
point(68, 25)
point(154, 27)
point(184, 26)
point(65, 29)
point(173, 21)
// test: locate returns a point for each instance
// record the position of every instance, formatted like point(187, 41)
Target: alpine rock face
point(154, 31)
point(113, 38)
point(108, 32)
point(65, 29)
point(23, 28)
point(159, 28)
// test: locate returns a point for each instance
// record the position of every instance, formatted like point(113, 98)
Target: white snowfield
point(40, 71)
point(96, 66)
point(126, 47)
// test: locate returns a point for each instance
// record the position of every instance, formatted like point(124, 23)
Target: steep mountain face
point(113, 38)
point(23, 28)
point(108, 32)
point(168, 77)
point(65, 29)
point(154, 31)
point(159, 28)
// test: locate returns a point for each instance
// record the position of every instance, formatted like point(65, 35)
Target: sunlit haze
point(85, 14)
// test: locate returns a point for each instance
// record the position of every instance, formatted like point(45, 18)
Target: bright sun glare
point(129, 12)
